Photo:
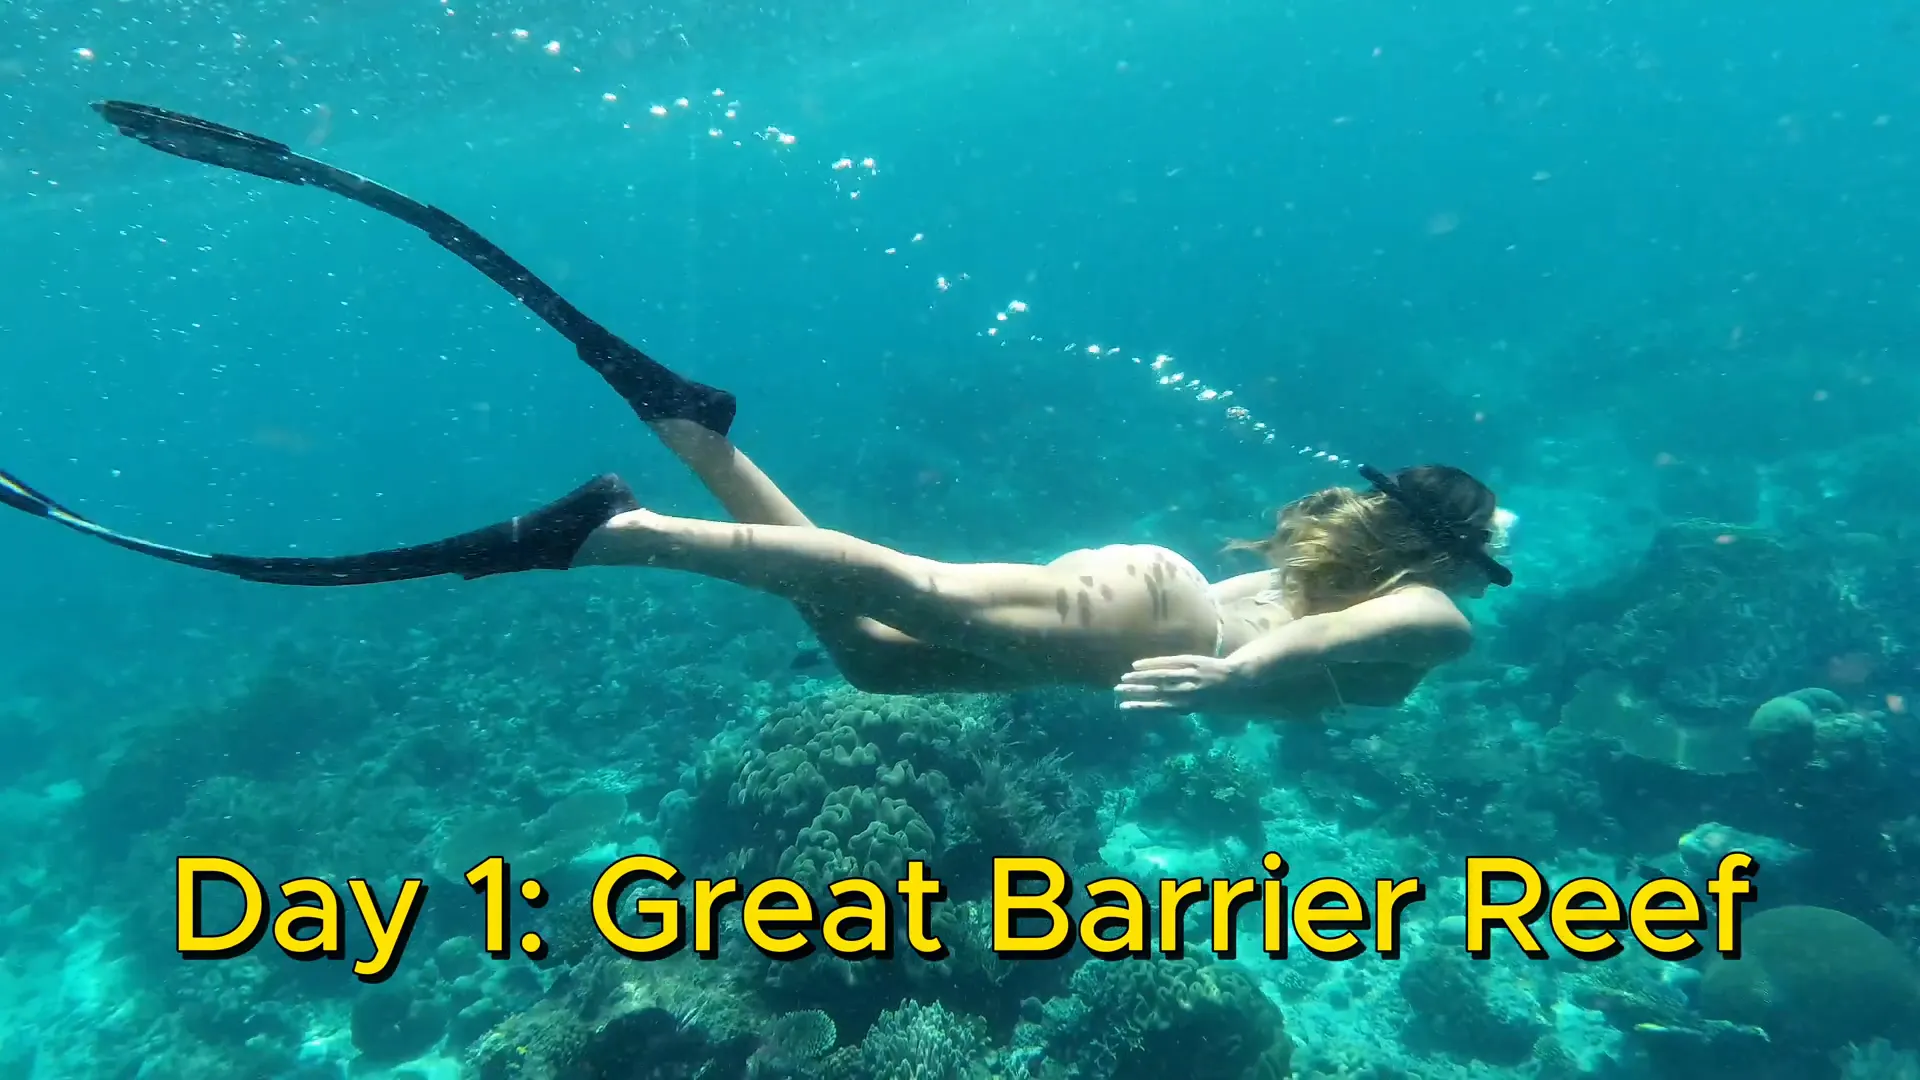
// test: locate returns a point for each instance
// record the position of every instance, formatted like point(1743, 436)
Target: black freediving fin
point(546, 539)
point(654, 391)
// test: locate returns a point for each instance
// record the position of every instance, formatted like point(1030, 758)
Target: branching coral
point(1207, 1021)
point(1211, 794)
point(847, 784)
point(794, 1044)
point(1457, 1011)
point(1033, 808)
point(671, 1019)
point(918, 1042)
point(759, 798)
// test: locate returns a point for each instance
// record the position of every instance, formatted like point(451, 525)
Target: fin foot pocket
point(546, 539)
point(654, 391)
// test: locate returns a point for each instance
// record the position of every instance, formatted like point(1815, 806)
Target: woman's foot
point(636, 537)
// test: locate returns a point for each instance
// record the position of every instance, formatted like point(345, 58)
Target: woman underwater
point(1358, 607)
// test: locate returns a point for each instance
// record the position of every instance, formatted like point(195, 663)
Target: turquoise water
point(991, 281)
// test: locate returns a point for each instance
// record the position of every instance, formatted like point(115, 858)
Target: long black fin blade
point(654, 391)
point(546, 539)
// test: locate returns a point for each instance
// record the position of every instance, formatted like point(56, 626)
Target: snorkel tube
point(1456, 539)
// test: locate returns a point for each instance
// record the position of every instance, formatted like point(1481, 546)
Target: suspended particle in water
point(83, 53)
point(658, 110)
point(609, 97)
point(553, 48)
point(520, 35)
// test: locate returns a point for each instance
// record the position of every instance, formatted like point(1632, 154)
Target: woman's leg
point(1084, 620)
point(869, 654)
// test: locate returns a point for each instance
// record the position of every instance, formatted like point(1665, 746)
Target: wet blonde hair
point(1338, 546)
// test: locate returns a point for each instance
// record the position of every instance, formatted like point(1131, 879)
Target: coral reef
point(1813, 748)
point(530, 847)
point(919, 1042)
point(1653, 701)
point(1814, 979)
point(847, 784)
point(1714, 618)
point(1153, 1017)
point(1208, 795)
point(672, 1019)
point(1462, 1008)
point(392, 1024)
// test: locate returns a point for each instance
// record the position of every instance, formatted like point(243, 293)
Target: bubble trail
point(851, 176)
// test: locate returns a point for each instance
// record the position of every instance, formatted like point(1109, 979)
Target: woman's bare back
point(1251, 606)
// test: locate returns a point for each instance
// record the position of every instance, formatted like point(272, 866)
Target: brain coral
point(1815, 979)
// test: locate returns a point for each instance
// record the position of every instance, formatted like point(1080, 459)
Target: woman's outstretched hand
point(1184, 683)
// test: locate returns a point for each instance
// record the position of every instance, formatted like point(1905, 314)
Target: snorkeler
point(1357, 609)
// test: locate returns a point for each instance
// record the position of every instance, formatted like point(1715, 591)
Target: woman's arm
point(1417, 626)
